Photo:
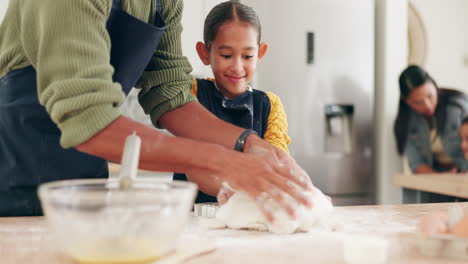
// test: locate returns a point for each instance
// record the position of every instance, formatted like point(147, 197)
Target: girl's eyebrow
point(224, 47)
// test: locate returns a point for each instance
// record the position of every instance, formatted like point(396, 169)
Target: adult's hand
point(290, 179)
point(224, 194)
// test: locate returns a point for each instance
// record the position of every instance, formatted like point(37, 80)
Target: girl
point(232, 47)
point(426, 128)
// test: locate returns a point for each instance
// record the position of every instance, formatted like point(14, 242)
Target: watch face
point(239, 146)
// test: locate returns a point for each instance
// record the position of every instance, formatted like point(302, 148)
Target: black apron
point(249, 110)
point(30, 151)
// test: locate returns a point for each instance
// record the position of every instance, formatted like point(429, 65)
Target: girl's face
point(464, 139)
point(233, 57)
point(423, 99)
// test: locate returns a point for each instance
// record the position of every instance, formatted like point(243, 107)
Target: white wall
point(193, 19)
point(447, 27)
point(391, 58)
point(3, 8)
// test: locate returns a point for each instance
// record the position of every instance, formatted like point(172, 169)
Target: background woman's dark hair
point(227, 12)
point(412, 77)
point(465, 120)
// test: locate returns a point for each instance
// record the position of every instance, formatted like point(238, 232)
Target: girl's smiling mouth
point(235, 79)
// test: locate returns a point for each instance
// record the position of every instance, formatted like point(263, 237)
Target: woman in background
point(427, 129)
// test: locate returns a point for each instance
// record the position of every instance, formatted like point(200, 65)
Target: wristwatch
point(240, 141)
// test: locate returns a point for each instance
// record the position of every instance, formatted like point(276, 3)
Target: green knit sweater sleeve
point(67, 43)
point(167, 82)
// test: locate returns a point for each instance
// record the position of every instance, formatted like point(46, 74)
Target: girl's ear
point(202, 52)
point(262, 49)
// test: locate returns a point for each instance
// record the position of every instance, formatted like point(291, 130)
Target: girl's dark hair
point(411, 78)
point(227, 12)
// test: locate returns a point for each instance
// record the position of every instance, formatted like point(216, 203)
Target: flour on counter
point(241, 212)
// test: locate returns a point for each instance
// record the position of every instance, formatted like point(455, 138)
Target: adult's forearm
point(159, 152)
point(255, 172)
point(207, 184)
point(193, 121)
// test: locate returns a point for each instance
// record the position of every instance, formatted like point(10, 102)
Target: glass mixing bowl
point(95, 222)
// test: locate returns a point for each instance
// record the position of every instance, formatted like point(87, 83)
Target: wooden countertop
point(448, 184)
point(26, 240)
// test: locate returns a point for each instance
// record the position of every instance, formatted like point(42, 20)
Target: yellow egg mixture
point(117, 251)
